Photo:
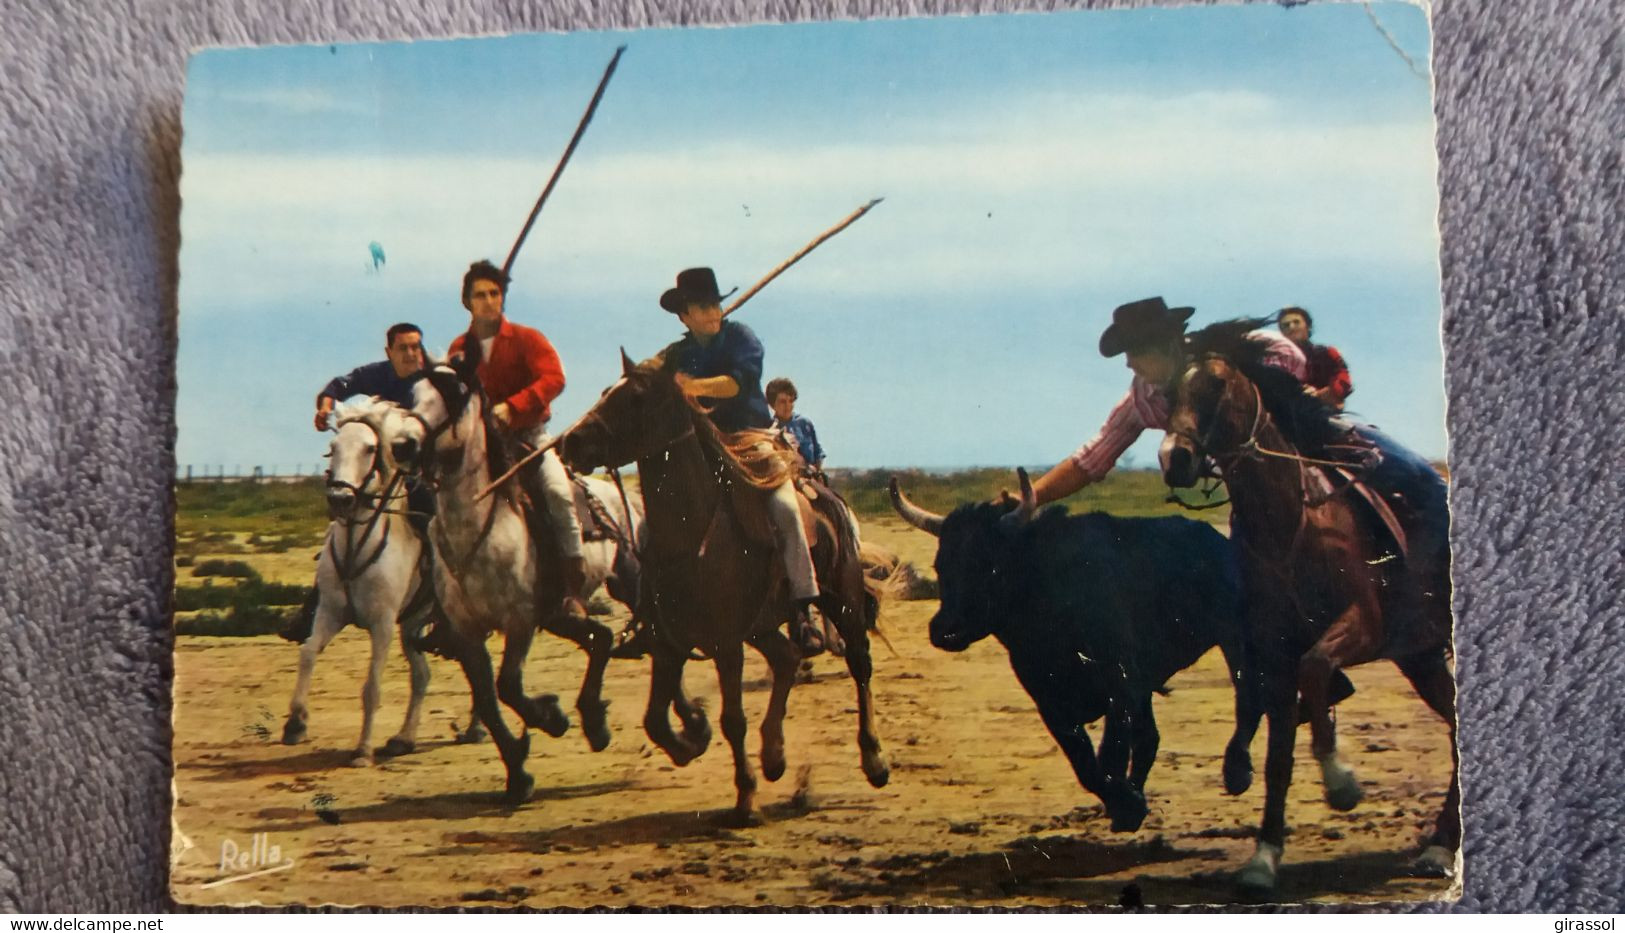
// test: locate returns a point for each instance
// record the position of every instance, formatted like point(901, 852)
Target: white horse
point(368, 573)
point(490, 576)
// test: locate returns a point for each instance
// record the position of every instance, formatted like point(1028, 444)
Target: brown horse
point(1328, 584)
point(712, 579)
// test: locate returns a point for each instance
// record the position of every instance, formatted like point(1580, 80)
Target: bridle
point(350, 564)
point(595, 417)
point(431, 480)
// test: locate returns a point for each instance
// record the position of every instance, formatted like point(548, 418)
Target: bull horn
point(928, 522)
point(1029, 500)
point(626, 363)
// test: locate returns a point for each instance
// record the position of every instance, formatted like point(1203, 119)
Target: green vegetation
point(238, 622)
point(215, 511)
point(253, 591)
point(224, 568)
point(266, 518)
point(279, 516)
point(252, 607)
point(1136, 493)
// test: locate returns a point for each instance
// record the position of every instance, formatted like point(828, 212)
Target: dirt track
point(982, 809)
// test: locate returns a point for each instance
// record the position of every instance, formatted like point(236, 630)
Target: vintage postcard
point(976, 462)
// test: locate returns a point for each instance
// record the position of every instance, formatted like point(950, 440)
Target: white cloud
point(1077, 186)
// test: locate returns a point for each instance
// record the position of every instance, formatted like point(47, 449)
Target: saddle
point(597, 524)
point(751, 461)
point(1327, 482)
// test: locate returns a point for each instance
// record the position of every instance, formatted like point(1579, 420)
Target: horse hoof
point(1434, 862)
point(1343, 791)
point(293, 732)
point(1343, 798)
point(473, 735)
point(519, 787)
point(397, 747)
point(773, 764)
point(361, 759)
point(1257, 878)
point(1128, 819)
point(594, 725)
point(876, 769)
point(1238, 773)
point(1255, 883)
point(550, 716)
point(682, 753)
point(697, 733)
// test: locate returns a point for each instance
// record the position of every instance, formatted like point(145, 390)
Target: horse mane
point(743, 454)
point(370, 412)
point(497, 455)
point(1307, 422)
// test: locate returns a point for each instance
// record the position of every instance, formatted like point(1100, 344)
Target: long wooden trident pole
point(586, 118)
point(749, 293)
point(818, 241)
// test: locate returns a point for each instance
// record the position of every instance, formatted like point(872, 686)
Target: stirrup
point(436, 641)
point(633, 641)
point(807, 634)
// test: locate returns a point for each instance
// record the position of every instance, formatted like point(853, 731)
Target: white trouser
point(558, 493)
point(784, 510)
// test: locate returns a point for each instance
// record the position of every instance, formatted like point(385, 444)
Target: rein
point(1252, 449)
point(442, 543)
point(346, 564)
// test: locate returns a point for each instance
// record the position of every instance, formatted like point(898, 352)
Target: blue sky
point(1038, 170)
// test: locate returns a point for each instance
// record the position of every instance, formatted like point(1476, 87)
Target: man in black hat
point(1152, 335)
point(720, 362)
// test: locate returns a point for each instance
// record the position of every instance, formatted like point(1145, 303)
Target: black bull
point(1097, 613)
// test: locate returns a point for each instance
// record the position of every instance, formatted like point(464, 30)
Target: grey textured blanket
point(1529, 119)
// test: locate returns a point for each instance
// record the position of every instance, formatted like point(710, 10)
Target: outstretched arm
point(1062, 480)
point(1091, 462)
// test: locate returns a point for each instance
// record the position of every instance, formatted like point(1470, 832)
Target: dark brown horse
point(711, 575)
point(1329, 583)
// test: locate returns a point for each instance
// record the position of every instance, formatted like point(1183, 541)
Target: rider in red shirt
point(522, 375)
point(1328, 377)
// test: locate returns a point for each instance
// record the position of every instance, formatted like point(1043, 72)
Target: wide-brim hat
point(694, 286)
point(1143, 324)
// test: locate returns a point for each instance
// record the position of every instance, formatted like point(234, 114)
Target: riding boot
point(575, 586)
point(634, 641)
point(1338, 689)
point(1341, 688)
point(807, 634)
point(300, 625)
point(438, 640)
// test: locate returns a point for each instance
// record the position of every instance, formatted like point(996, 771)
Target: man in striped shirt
point(1152, 335)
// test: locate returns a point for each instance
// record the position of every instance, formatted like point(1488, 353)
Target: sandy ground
point(982, 809)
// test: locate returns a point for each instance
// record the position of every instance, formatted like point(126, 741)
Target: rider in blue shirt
point(781, 397)
point(734, 352)
point(390, 379)
point(719, 366)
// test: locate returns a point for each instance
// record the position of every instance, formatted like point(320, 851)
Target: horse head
point(444, 402)
point(977, 569)
point(1214, 412)
point(640, 415)
point(357, 463)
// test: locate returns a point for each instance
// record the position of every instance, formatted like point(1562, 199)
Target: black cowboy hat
point(1141, 324)
point(694, 286)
